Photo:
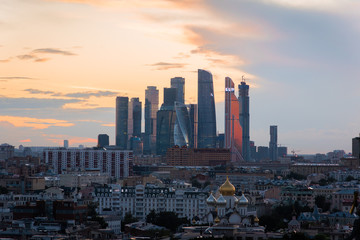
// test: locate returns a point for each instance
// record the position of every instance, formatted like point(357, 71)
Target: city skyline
point(63, 62)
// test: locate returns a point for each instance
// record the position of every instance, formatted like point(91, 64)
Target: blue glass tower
point(206, 111)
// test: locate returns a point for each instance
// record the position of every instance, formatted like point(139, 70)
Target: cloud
point(5, 60)
point(34, 123)
point(166, 66)
point(108, 124)
point(17, 78)
point(37, 91)
point(91, 94)
point(36, 54)
point(76, 95)
point(25, 140)
point(52, 51)
point(16, 104)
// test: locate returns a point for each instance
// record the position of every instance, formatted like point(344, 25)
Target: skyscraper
point(182, 128)
point(233, 129)
point(134, 120)
point(66, 143)
point(194, 125)
point(206, 111)
point(245, 118)
point(121, 131)
point(273, 143)
point(165, 123)
point(151, 108)
point(103, 140)
point(179, 84)
point(356, 147)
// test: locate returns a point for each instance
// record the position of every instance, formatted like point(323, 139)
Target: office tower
point(121, 131)
point(220, 140)
point(136, 145)
point(206, 111)
point(103, 140)
point(179, 84)
point(151, 108)
point(165, 122)
point(233, 129)
point(282, 151)
point(356, 147)
point(194, 125)
point(245, 118)
point(273, 143)
point(263, 153)
point(66, 143)
point(134, 118)
point(252, 151)
point(182, 128)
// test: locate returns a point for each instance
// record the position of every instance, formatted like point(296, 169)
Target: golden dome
point(256, 219)
point(217, 220)
point(227, 189)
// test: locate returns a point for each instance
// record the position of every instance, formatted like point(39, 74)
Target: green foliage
point(94, 216)
point(295, 176)
point(169, 220)
point(321, 202)
point(3, 190)
point(128, 218)
point(349, 178)
point(275, 220)
point(296, 236)
point(321, 237)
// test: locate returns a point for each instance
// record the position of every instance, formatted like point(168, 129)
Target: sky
point(63, 62)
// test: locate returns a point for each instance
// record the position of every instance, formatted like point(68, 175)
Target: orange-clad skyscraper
point(233, 129)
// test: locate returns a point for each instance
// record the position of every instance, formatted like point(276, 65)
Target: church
point(224, 208)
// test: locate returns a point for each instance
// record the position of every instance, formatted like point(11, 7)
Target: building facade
point(206, 111)
point(244, 103)
point(233, 129)
point(182, 128)
point(116, 163)
point(121, 122)
point(273, 149)
point(151, 108)
point(103, 140)
point(179, 84)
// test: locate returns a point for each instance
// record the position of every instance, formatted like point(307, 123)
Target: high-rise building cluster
point(189, 125)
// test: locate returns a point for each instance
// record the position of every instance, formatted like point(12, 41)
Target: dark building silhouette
point(262, 153)
point(122, 108)
point(245, 118)
point(206, 111)
point(282, 151)
point(273, 151)
point(166, 118)
point(194, 125)
point(252, 151)
point(151, 108)
point(103, 140)
point(179, 84)
point(134, 120)
point(356, 147)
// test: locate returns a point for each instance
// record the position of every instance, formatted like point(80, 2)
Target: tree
point(321, 202)
point(349, 178)
point(169, 220)
point(128, 218)
point(94, 215)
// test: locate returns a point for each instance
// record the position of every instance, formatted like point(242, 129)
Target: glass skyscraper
point(151, 108)
point(179, 84)
point(206, 111)
point(121, 126)
point(273, 151)
point(182, 129)
point(165, 124)
point(245, 118)
point(134, 120)
point(233, 129)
